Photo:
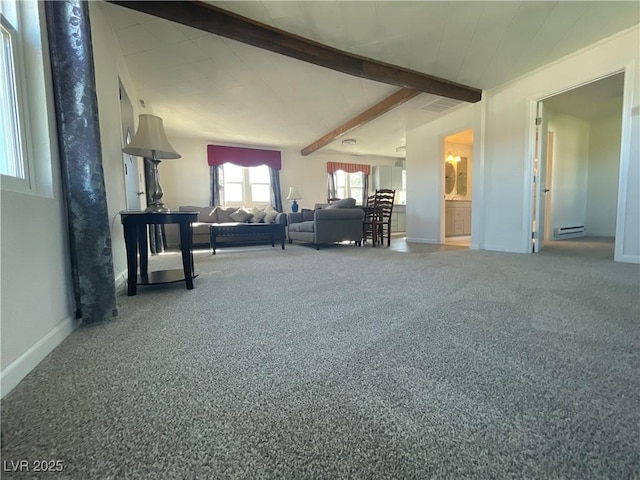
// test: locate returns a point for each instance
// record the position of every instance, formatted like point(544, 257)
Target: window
point(245, 185)
point(25, 126)
point(349, 185)
point(402, 194)
point(12, 159)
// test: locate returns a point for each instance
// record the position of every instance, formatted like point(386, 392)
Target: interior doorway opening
point(458, 188)
point(132, 178)
point(577, 165)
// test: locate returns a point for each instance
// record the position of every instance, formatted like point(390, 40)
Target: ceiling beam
point(401, 96)
point(212, 19)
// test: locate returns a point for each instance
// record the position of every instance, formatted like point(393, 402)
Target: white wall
point(602, 183)
point(109, 65)
point(569, 171)
point(425, 172)
point(509, 141)
point(37, 309)
point(186, 181)
point(503, 152)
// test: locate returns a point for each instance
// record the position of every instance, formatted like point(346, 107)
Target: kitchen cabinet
point(387, 177)
point(401, 214)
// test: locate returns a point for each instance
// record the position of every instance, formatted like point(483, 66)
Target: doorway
point(458, 185)
point(577, 164)
point(132, 178)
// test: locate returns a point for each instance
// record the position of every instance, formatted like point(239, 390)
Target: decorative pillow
point(270, 214)
point(213, 216)
point(258, 215)
point(241, 215)
point(307, 215)
point(224, 214)
point(344, 203)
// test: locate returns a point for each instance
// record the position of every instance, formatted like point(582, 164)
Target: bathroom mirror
point(449, 178)
point(461, 183)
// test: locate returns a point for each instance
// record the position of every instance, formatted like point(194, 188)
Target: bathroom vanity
point(457, 215)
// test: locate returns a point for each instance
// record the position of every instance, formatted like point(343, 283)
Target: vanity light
point(453, 158)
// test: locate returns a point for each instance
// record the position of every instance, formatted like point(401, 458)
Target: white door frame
point(625, 142)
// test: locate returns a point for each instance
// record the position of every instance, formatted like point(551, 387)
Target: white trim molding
point(20, 368)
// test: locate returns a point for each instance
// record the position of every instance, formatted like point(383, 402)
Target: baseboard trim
point(629, 259)
point(20, 368)
point(422, 240)
point(121, 282)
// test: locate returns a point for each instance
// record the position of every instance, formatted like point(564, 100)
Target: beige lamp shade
point(294, 194)
point(150, 141)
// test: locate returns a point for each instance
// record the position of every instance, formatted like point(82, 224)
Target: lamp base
point(156, 207)
point(294, 206)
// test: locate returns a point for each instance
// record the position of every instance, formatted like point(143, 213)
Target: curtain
point(365, 188)
point(215, 175)
point(348, 167)
point(276, 194)
point(331, 185)
point(244, 157)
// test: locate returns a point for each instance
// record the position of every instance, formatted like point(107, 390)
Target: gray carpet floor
point(349, 363)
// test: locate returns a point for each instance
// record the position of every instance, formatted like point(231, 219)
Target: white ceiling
point(210, 87)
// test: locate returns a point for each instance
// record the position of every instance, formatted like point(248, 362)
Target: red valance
point(348, 167)
point(244, 157)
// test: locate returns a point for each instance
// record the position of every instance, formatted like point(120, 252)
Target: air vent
point(441, 104)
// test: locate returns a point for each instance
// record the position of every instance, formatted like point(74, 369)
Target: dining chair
point(377, 220)
point(367, 223)
point(382, 215)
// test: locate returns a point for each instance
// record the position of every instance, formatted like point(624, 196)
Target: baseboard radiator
point(560, 233)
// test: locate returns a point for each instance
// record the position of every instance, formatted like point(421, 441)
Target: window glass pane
point(402, 199)
point(232, 173)
point(340, 192)
point(355, 180)
point(260, 193)
point(357, 194)
point(340, 179)
point(11, 161)
point(233, 192)
point(259, 174)
point(10, 12)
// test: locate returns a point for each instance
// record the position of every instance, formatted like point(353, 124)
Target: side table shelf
point(135, 237)
point(160, 277)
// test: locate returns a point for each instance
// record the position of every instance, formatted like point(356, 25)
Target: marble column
point(69, 32)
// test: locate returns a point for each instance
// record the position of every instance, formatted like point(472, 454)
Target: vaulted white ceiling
point(221, 90)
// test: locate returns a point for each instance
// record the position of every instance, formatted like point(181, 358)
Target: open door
point(540, 180)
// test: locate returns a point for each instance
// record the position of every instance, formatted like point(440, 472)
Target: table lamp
point(151, 142)
point(294, 195)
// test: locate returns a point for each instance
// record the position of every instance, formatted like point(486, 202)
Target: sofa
point(337, 222)
point(236, 224)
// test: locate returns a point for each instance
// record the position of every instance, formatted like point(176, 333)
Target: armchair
point(335, 223)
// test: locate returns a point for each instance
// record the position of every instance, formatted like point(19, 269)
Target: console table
point(135, 238)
